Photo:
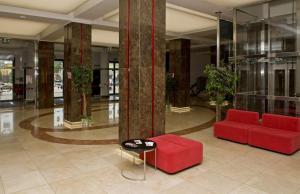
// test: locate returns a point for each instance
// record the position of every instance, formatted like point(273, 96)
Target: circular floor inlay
point(179, 124)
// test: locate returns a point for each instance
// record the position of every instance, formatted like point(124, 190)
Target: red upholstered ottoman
point(175, 153)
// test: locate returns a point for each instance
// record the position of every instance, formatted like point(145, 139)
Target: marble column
point(46, 74)
point(142, 68)
point(180, 65)
point(77, 51)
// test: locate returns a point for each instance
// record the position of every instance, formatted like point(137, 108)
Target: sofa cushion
point(241, 116)
point(232, 131)
point(278, 140)
point(175, 153)
point(281, 122)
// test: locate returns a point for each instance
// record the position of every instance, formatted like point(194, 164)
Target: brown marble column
point(46, 74)
point(142, 74)
point(180, 66)
point(77, 51)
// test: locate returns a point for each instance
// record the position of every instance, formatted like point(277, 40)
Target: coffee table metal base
point(145, 161)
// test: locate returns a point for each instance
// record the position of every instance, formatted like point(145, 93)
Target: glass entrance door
point(58, 78)
point(6, 80)
point(113, 74)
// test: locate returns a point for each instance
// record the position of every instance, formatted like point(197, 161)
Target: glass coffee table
point(136, 147)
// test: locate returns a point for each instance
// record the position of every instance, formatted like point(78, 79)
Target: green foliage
point(220, 83)
point(82, 77)
point(57, 67)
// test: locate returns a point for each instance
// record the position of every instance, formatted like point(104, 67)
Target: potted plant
point(220, 85)
point(82, 78)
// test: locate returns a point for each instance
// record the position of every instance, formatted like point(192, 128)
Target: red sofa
point(175, 153)
point(236, 125)
point(277, 133)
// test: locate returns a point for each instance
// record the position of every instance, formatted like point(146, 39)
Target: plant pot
point(85, 122)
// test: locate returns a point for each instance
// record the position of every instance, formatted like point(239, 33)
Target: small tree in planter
point(82, 78)
point(220, 84)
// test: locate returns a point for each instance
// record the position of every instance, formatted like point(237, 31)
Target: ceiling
point(44, 20)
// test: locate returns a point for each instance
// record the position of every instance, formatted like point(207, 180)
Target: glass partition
point(58, 78)
point(266, 57)
point(6, 80)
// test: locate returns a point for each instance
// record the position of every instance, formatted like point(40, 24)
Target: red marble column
point(180, 66)
point(142, 73)
point(77, 51)
point(46, 74)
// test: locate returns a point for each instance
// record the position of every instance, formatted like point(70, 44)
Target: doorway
point(113, 75)
point(58, 78)
point(6, 80)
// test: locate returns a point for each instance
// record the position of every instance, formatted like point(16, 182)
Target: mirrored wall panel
point(267, 57)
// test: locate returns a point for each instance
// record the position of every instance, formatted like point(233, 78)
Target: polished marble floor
point(29, 165)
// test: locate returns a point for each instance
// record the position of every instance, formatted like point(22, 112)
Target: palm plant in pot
point(220, 85)
point(82, 78)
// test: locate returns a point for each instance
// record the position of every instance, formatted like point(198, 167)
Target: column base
point(180, 109)
point(72, 125)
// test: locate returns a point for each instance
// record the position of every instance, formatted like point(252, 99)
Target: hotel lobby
point(149, 97)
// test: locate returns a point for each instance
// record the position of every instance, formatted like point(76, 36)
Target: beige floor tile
point(14, 169)
point(39, 149)
point(80, 154)
point(37, 190)
point(16, 157)
point(11, 148)
point(90, 164)
point(245, 189)
point(298, 192)
point(1, 187)
point(236, 171)
point(185, 188)
point(27, 163)
point(273, 184)
point(129, 188)
point(78, 185)
point(215, 182)
point(22, 181)
point(59, 173)
point(159, 181)
point(50, 161)
point(288, 169)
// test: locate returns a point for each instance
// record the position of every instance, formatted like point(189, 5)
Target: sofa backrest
point(241, 116)
point(281, 122)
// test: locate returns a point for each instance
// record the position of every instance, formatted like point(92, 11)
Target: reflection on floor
point(29, 165)
point(104, 130)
